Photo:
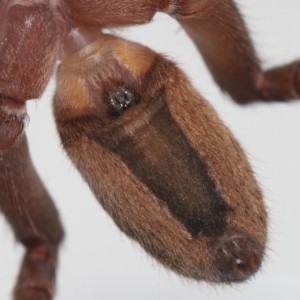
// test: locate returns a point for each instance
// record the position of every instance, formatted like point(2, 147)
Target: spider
point(152, 150)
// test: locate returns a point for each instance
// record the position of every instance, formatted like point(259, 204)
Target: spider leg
point(109, 13)
point(220, 34)
point(29, 210)
point(30, 35)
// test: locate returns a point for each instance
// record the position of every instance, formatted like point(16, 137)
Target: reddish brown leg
point(220, 34)
point(108, 13)
point(27, 207)
point(30, 35)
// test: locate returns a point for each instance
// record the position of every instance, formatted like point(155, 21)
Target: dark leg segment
point(108, 13)
point(30, 35)
point(220, 34)
point(33, 217)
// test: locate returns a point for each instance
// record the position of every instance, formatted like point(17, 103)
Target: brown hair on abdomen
point(160, 161)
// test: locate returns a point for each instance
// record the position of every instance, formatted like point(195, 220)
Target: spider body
point(154, 153)
point(155, 146)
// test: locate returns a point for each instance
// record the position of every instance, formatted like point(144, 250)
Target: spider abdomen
point(166, 169)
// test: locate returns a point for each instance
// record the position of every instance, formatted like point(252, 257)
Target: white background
point(98, 262)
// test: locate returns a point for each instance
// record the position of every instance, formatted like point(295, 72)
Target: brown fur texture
point(109, 13)
point(131, 203)
point(117, 101)
point(33, 217)
point(218, 31)
point(30, 35)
